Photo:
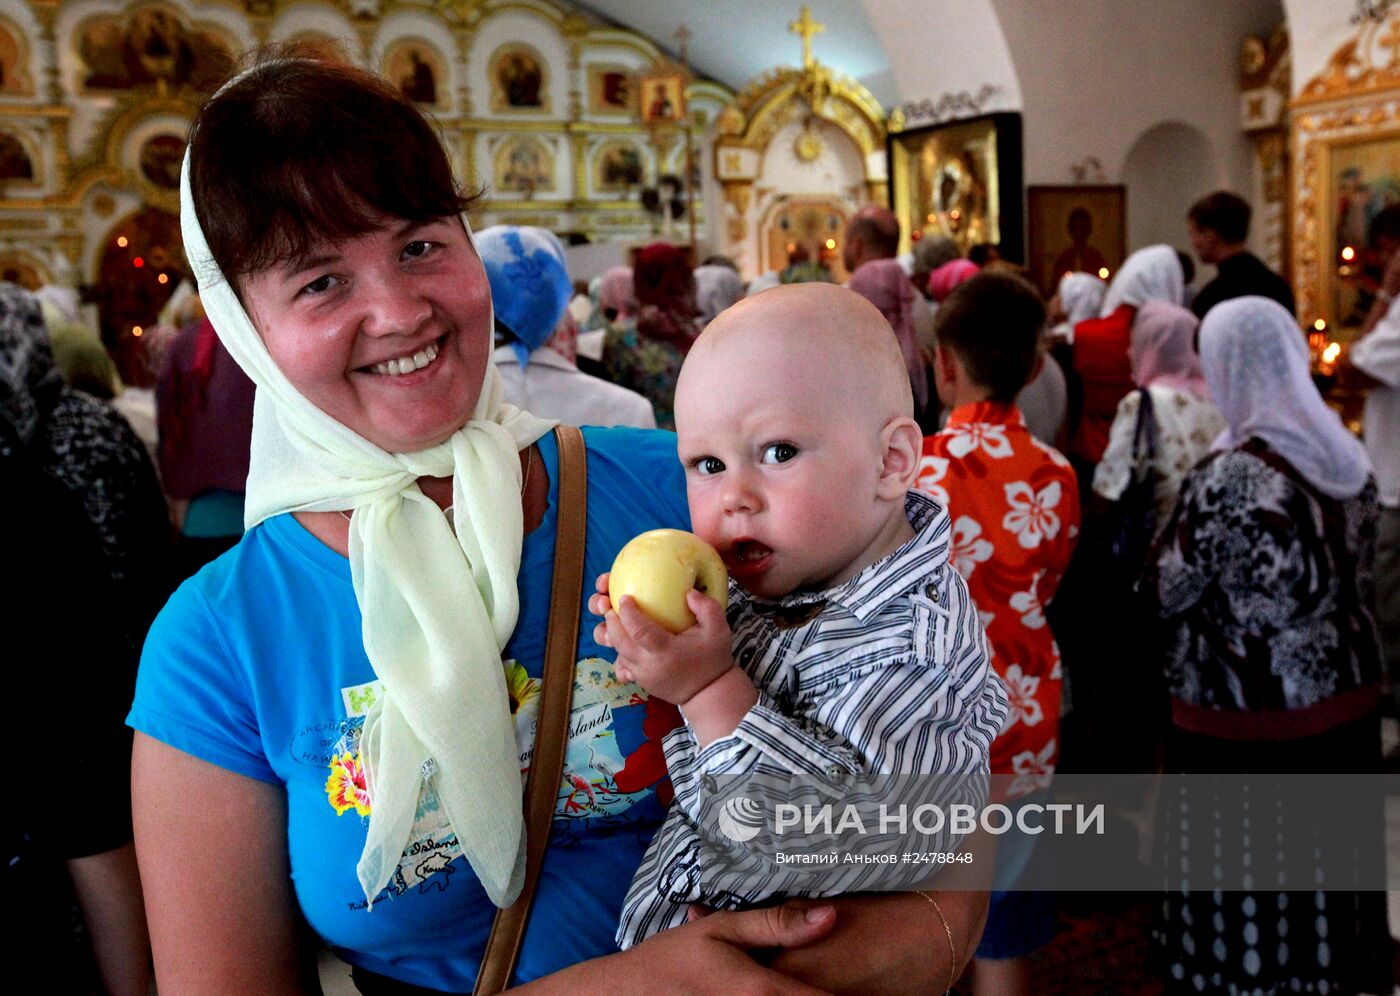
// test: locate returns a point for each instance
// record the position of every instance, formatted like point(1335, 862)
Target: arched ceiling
point(735, 40)
point(911, 50)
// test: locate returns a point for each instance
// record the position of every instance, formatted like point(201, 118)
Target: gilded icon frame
point(999, 220)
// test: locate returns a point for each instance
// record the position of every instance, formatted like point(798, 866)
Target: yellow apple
point(658, 567)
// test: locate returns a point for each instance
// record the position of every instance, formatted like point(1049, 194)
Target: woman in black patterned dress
point(1263, 576)
point(86, 534)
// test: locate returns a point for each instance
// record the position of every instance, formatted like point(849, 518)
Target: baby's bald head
point(793, 419)
point(826, 342)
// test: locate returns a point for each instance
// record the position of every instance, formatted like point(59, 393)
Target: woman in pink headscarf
point(616, 299)
point(1168, 374)
point(944, 280)
point(884, 284)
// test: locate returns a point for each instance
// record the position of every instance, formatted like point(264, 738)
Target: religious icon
point(524, 165)
point(1364, 180)
point(130, 296)
point(517, 79)
point(15, 163)
point(1080, 257)
point(948, 180)
point(803, 240)
point(662, 99)
point(1076, 229)
point(151, 44)
point(14, 77)
point(951, 180)
point(610, 89)
point(415, 69)
point(619, 168)
point(160, 159)
point(18, 271)
point(162, 51)
point(314, 45)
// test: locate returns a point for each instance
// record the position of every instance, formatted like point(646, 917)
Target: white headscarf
point(64, 299)
point(1151, 274)
point(1256, 364)
point(437, 608)
point(716, 288)
point(1081, 295)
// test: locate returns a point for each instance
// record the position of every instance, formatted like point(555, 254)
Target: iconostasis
point(539, 105)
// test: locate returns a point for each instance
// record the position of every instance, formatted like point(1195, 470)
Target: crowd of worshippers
point(1183, 558)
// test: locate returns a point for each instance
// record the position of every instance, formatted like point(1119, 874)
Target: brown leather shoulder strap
point(552, 726)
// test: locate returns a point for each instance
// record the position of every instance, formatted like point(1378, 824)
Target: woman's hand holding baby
point(693, 669)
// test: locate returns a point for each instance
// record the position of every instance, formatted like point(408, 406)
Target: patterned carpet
point(1101, 949)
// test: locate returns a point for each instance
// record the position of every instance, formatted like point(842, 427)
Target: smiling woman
point(386, 334)
point(351, 260)
point(334, 696)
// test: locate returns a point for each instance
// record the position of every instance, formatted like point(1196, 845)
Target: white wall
point(1316, 28)
point(938, 47)
point(1094, 78)
point(1169, 167)
point(1102, 78)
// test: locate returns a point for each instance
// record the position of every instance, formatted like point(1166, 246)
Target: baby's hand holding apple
point(663, 612)
point(671, 666)
point(660, 568)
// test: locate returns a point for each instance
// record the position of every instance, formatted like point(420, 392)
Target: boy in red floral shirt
point(1015, 510)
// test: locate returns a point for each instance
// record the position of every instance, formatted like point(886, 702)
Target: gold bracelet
point(952, 950)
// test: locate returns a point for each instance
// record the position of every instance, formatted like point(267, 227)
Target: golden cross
point(682, 35)
point(806, 27)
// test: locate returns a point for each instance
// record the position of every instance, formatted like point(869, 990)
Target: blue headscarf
point(530, 285)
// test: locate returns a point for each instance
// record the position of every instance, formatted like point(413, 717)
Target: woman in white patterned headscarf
point(1264, 577)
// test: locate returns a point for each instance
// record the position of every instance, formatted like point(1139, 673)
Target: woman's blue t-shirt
point(257, 665)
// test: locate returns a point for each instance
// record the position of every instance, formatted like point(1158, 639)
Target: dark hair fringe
point(1224, 213)
point(993, 323)
point(302, 151)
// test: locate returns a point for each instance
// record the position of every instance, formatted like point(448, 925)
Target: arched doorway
point(1167, 168)
point(141, 265)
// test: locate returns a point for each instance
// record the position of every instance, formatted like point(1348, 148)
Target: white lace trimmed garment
point(1186, 427)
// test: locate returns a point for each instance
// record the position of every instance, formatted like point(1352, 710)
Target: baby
point(851, 646)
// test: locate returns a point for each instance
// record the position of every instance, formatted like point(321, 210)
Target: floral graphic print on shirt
point(1015, 509)
point(612, 762)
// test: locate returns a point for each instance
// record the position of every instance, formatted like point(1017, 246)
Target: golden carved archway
point(782, 97)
